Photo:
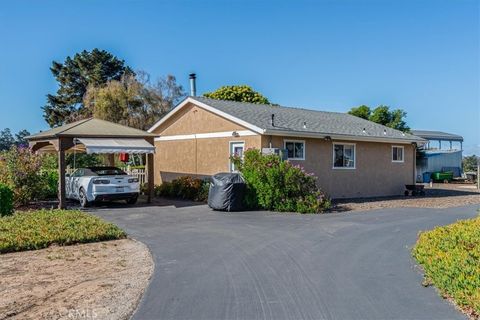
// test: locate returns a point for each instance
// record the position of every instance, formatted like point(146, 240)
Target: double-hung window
point(397, 154)
point(343, 156)
point(295, 149)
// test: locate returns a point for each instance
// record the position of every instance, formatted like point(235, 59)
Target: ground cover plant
point(450, 257)
point(278, 185)
point(40, 229)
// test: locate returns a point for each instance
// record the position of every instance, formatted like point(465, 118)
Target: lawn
point(42, 228)
point(450, 257)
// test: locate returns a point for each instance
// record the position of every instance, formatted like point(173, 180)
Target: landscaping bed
point(103, 280)
point(450, 257)
point(439, 196)
point(40, 229)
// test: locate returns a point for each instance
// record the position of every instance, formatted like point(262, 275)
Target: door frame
point(230, 153)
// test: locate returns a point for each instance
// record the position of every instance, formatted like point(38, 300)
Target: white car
point(92, 184)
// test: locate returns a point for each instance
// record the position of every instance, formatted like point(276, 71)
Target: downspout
point(414, 163)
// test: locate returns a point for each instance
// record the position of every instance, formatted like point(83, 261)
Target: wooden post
point(62, 204)
point(150, 177)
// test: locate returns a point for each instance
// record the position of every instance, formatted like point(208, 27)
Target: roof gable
point(91, 127)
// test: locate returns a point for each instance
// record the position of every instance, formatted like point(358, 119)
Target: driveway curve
point(259, 265)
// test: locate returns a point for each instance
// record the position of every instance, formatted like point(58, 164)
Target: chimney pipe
point(193, 84)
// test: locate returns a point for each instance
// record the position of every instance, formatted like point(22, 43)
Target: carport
point(94, 136)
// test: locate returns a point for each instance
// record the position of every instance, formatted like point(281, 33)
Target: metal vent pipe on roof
point(193, 84)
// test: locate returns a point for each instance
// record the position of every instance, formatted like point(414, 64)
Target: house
point(351, 157)
point(442, 152)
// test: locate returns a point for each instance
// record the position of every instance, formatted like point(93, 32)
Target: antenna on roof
point(273, 120)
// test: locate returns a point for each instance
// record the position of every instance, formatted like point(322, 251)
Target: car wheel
point(83, 198)
point(132, 200)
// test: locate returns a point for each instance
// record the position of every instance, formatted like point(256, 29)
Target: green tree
point(20, 136)
point(363, 112)
point(383, 115)
point(240, 93)
point(134, 100)
point(470, 163)
point(6, 139)
point(74, 76)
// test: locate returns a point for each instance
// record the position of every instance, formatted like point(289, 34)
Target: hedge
point(450, 256)
point(42, 228)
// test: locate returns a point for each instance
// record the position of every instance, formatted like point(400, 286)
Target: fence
point(140, 174)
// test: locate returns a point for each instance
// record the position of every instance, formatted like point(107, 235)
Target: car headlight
point(132, 180)
point(101, 181)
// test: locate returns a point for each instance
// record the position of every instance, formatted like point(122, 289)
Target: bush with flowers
point(27, 174)
point(278, 185)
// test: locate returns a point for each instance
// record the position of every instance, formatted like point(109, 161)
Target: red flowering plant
point(278, 185)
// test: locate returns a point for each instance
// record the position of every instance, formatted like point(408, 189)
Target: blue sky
point(422, 56)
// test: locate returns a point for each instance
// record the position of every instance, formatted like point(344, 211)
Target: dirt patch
point(438, 196)
point(103, 280)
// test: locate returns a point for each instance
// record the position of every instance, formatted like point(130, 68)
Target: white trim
point(354, 155)
point(222, 134)
point(208, 108)
point(403, 154)
point(298, 141)
point(230, 143)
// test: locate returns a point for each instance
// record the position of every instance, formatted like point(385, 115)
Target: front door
point(236, 149)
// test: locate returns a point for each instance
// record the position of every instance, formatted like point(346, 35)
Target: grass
point(450, 257)
point(40, 229)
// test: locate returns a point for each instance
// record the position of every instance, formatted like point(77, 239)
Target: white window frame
point(296, 141)
point(230, 143)
point(403, 154)
point(354, 155)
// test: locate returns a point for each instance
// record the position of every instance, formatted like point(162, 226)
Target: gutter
point(342, 137)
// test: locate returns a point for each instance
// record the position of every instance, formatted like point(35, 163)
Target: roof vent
point(273, 120)
point(305, 125)
point(364, 131)
point(384, 132)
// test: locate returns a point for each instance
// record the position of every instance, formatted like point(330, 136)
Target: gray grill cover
point(226, 192)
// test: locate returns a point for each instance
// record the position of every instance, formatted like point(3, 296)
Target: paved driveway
point(258, 265)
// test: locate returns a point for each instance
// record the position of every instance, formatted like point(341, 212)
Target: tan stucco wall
point(196, 157)
point(375, 173)
point(192, 119)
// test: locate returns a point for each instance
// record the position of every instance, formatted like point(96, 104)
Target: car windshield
point(107, 171)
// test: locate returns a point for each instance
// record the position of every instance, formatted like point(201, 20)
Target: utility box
point(227, 191)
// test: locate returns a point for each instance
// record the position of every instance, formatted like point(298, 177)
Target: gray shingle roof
point(316, 122)
point(437, 135)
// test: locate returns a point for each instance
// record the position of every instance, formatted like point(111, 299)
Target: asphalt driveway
point(259, 265)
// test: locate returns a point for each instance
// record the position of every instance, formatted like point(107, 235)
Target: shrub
point(450, 257)
point(184, 188)
point(278, 185)
point(39, 229)
point(6, 200)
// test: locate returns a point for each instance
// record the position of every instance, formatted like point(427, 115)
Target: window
point(397, 154)
point(343, 156)
point(295, 149)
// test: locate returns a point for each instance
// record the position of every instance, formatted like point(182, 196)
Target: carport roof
point(91, 127)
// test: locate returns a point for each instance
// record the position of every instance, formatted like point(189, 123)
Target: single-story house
point(351, 157)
